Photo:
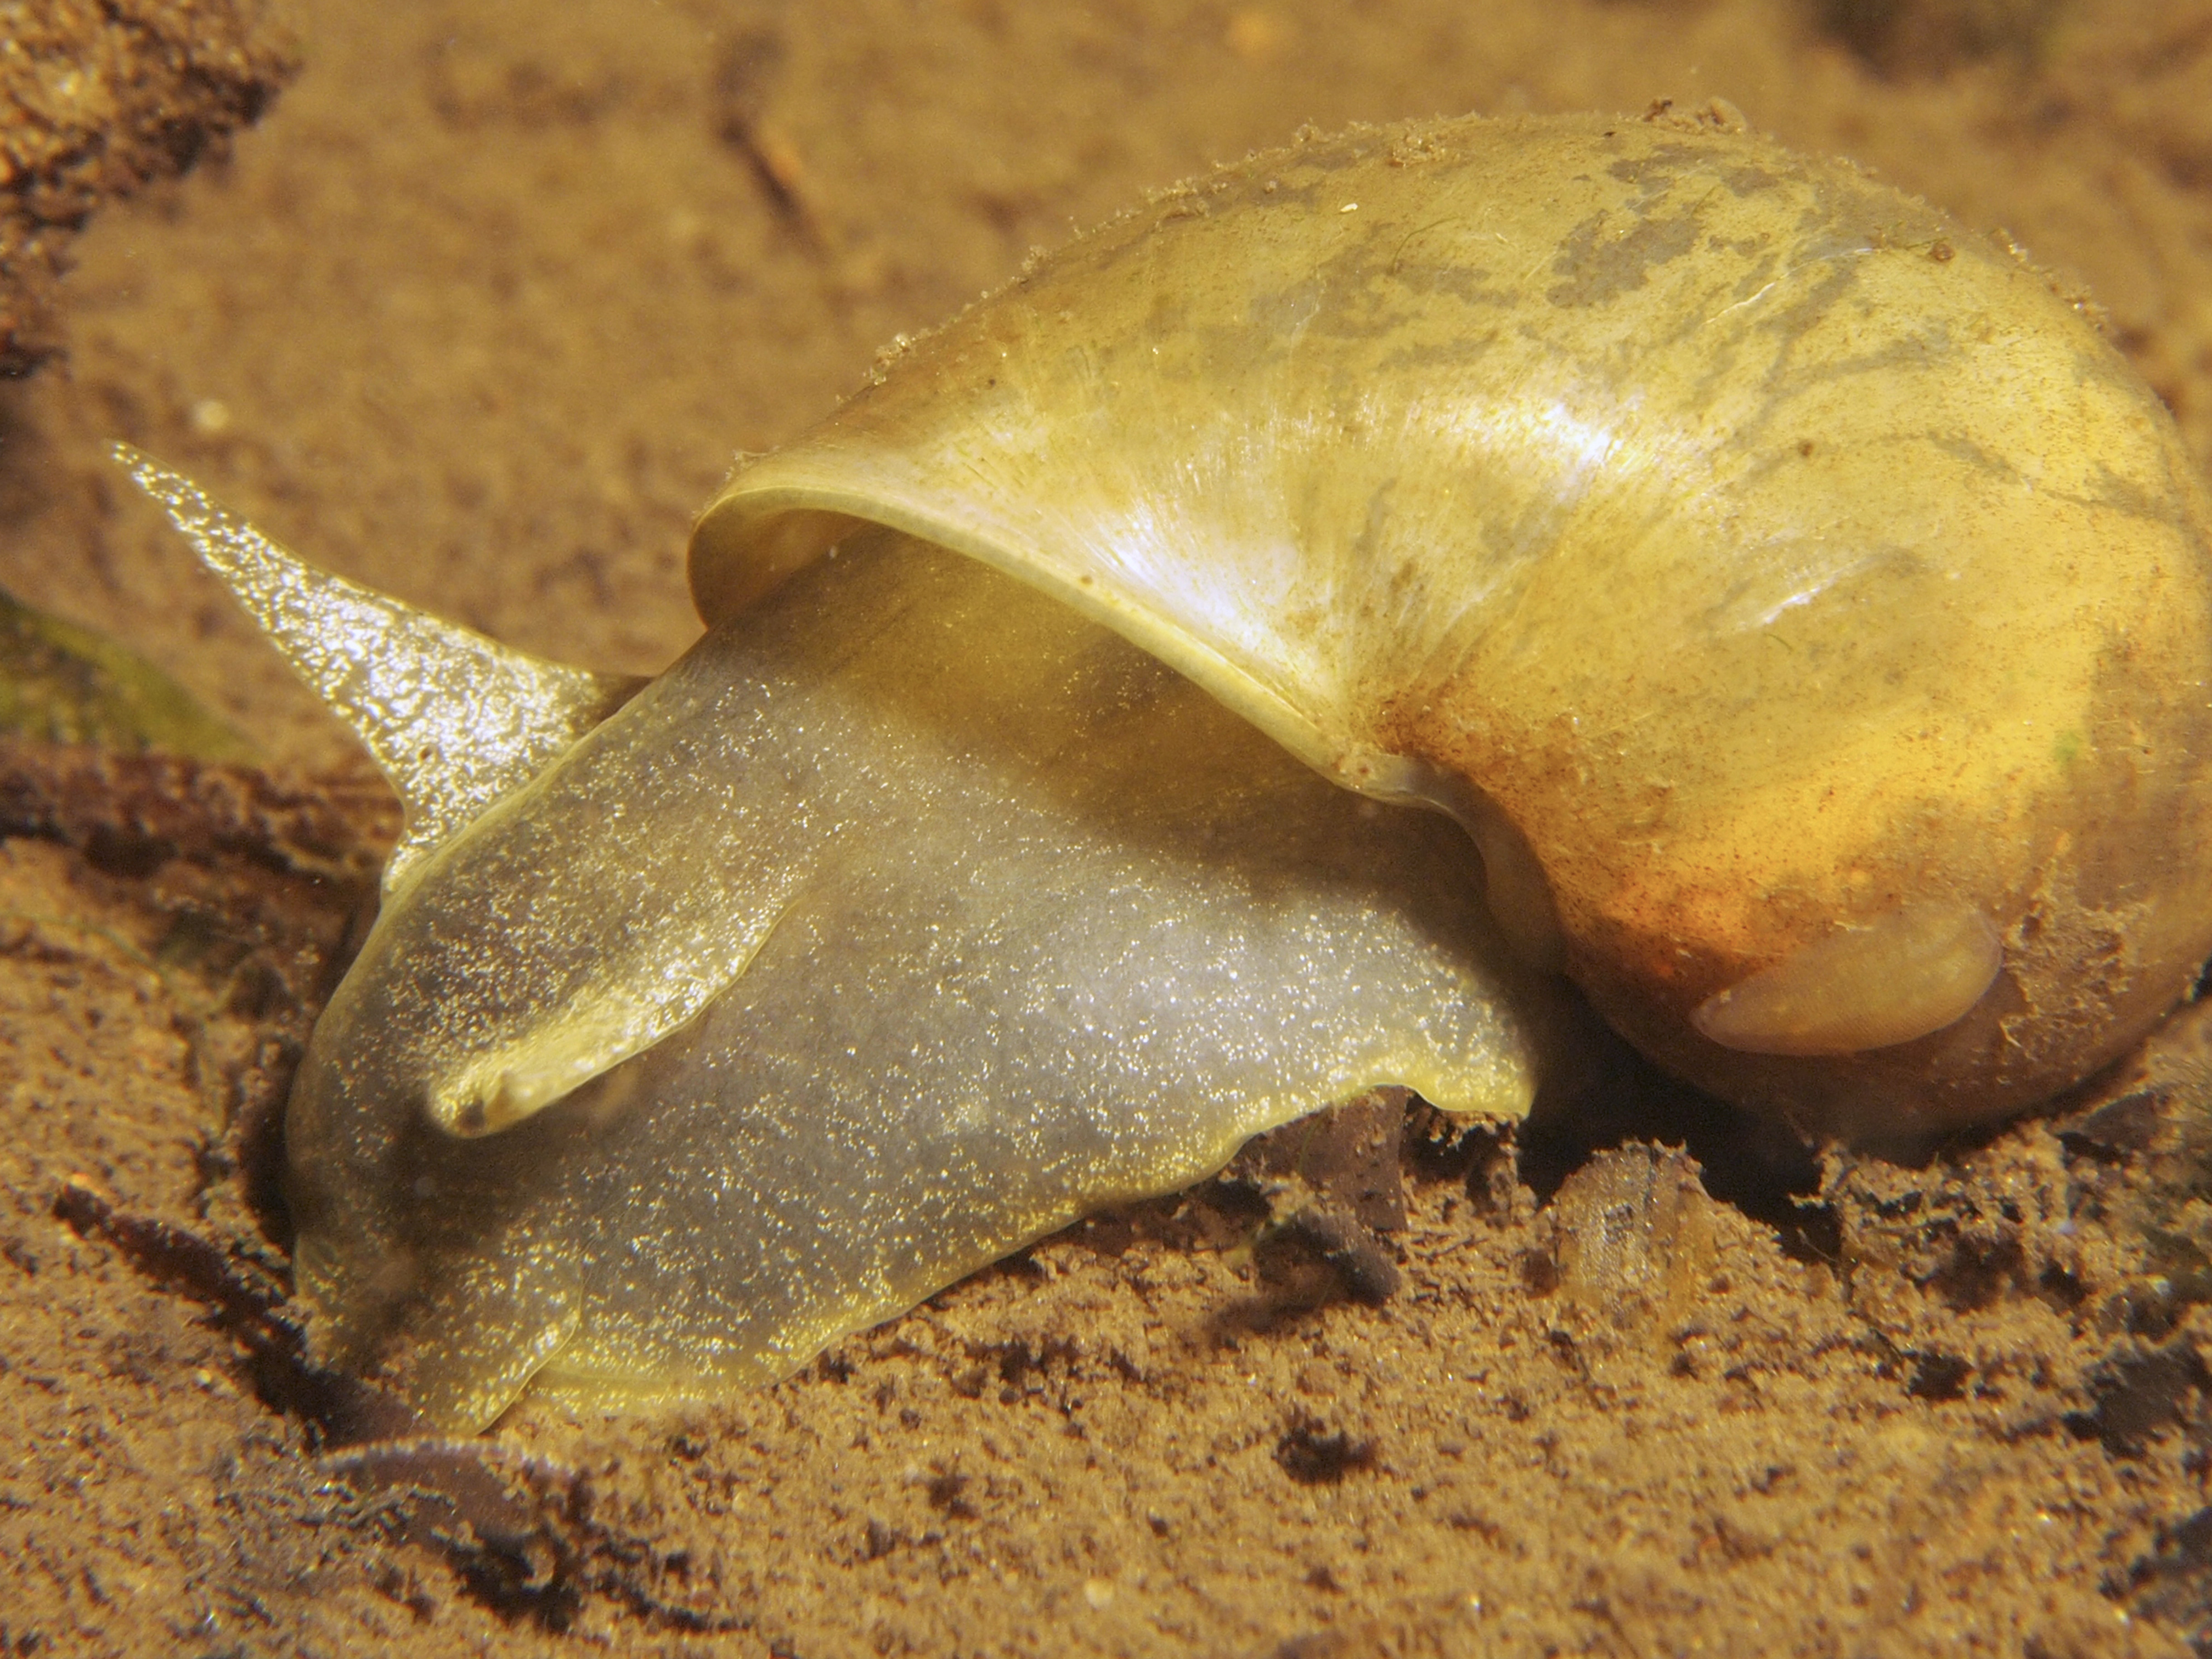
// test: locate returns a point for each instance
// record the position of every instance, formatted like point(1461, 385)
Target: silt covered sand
point(479, 312)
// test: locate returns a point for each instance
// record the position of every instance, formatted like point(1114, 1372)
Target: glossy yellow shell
point(1803, 606)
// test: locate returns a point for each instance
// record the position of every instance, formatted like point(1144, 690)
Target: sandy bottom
point(479, 312)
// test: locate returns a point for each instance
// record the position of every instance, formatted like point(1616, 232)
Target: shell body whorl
point(1760, 553)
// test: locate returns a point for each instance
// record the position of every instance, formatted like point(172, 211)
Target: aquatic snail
point(1799, 604)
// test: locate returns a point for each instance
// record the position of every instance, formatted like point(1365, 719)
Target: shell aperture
point(1012, 922)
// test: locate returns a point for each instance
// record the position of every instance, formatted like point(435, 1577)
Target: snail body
point(1802, 609)
point(904, 919)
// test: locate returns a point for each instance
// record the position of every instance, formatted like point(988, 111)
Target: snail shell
point(1803, 606)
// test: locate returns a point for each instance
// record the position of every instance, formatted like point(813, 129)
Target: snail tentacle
point(455, 721)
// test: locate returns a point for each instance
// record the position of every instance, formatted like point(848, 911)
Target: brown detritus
point(745, 80)
point(1348, 1157)
point(1484, 1157)
point(1332, 1184)
point(1319, 1256)
point(2141, 1393)
point(258, 892)
point(1316, 1456)
point(1961, 1289)
point(234, 894)
point(1938, 1375)
point(248, 1305)
point(2173, 1585)
point(131, 813)
point(1920, 38)
point(523, 1534)
point(98, 97)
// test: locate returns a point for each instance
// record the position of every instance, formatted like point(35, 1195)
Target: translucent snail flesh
point(1801, 606)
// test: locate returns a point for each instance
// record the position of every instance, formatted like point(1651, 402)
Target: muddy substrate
point(479, 312)
point(1388, 1385)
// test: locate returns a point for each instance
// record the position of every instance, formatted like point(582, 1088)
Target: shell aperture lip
point(1040, 927)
